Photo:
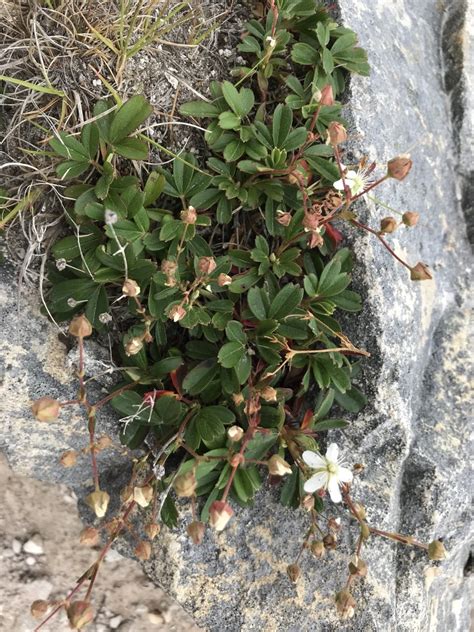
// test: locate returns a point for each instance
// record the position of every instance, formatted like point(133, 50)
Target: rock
point(115, 622)
point(34, 545)
point(16, 546)
point(30, 560)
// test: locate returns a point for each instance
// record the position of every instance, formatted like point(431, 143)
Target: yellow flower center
point(332, 468)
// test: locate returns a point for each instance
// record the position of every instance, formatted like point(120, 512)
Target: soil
point(40, 558)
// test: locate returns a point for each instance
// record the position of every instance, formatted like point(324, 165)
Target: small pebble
point(115, 622)
point(34, 546)
point(16, 546)
point(155, 618)
point(30, 560)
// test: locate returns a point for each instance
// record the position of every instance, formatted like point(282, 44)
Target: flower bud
point(189, 216)
point(98, 501)
point(388, 225)
point(308, 502)
point(223, 280)
point(293, 571)
point(311, 222)
point(337, 133)
point(79, 613)
point(345, 604)
point(318, 549)
point(152, 529)
point(46, 409)
point(235, 433)
point(39, 608)
point(278, 466)
point(207, 265)
point(143, 550)
point(360, 509)
point(219, 514)
point(399, 167)
point(269, 394)
point(238, 399)
point(410, 218)
point(196, 531)
point(130, 288)
point(126, 494)
point(420, 272)
point(436, 550)
point(68, 458)
point(176, 313)
point(364, 530)
point(315, 240)
point(185, 484)
point(357, 567)
point(284, 218)
point(143, 495)
point(327, 95)
point(80, 327)
point(89, 537)
point(168, 267)
point(133, 346)
point(334, 524)
point(330, 541)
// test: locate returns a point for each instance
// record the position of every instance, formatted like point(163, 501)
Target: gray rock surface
point(414, 435)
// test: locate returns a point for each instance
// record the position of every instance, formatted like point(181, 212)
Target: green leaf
point(132, 148)
point(329, 424)
point(284, 303)
point(240, 101)
point(281, 126)
point(129, 118)
point(260, 445)
point(258, 302)
point(230, 354)
point(71, 169)
point(353, 400)
point(96, 305)
point(199, 109)
point(229, 120)
point(200, 377)
point(235, 332)
point(153, 188)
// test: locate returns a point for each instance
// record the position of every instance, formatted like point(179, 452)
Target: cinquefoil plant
point(226, 279)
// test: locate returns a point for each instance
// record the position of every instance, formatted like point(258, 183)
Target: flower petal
point(333, 489)
point(332, 452)
point(339, 185)
point(344, 474)
point(316, 482)
point(313, 459)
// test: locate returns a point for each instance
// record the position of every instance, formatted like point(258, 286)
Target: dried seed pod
point(420, 272)
point(278, 466)
point(388, 225)
point(196, 531)
point(98, 501)
point(89, 537)
point(130, 288)
point(68, 458)
point(235, 433)
point(39, 608)
point(219, 514)
point(143, 550)
point(345, 604)
point(410, 218)
point(46, 409)
point(80, 327)
point(399, 167)
point(79, 613)
point(293, 572)
point(152, 529)
point(318, 549)
point(185, 484)
point(337, 133)
point(143, 495)
point(436, 550)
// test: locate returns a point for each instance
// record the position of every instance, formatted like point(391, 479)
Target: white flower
point(357, 181)
point(329, 474)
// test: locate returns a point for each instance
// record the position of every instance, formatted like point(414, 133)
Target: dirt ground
point(40, 558)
